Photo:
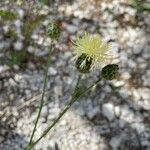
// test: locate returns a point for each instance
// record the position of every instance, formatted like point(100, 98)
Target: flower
point(90, 52)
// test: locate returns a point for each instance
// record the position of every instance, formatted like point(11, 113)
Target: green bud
point(87, 65)
point(110, 72)
point(53, 31)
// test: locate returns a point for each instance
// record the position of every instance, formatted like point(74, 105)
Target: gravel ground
point(113, 116)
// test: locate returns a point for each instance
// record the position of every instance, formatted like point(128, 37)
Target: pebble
point(3, 68)
point(21, 13)
point(108, 111)
point(52, 71)
point(126, 75)
point(6, 28)
point(122, 123)
point(115, 142)
point(139, 127)
point(118, 83)
point(18, 24)
point(145, 93)
point(18, 45)
point(58, 91)
point(131, 63)
point(44, 10)
point(41, 53)
point(12, 82)
point(40, 40)
point(75, 21)
point(80, 111)
point(137, 49)
point(127, 114)
point(117, 111)
point(93, 112)
point(136, 95)
point(31, 49)
point(2, 45)
point(1, 139)
point(71, 28)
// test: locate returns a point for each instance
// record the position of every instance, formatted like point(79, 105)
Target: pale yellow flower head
point(94, 48)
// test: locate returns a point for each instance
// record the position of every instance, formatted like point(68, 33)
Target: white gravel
point(113, 116)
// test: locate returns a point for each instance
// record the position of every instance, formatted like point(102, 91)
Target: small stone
point(136, 94)
point(34, 36)
point(140, 127)
point(93, 112)
point(41, 53)
point(118, 83)
point(3, 68)
point(28, 93)
point(115, 142)
point(21, 13)
point(127, 114)
point(80, 111)
point(58, 90)
point(12, 82)
point(34, 88)
point(137, 49)
point(117, 111)
point(44, 10)
point(71, 28)
point(145, 93)
point(2, 45)
point(108, 89)
point(122, 123)
point(40, 40)
point(69, 81)
point(63, 123)
point(124, 93)
point(31, 49)
point(18, 23)
point(44, 111)
point(126, 75)
point(1, 139)
point(18, 45)
point(17, 77)
point(6, 28)
point(52, 71)
point(131, 63)
point(75, 21)
point(51, 143)
point(108, 111)
point(45, 22)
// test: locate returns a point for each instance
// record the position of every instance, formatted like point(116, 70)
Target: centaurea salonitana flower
point(90, 52)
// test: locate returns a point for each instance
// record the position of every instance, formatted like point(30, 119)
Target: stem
point(43, 94)
point(62, 113)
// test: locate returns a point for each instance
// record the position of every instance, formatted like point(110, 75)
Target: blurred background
point(113, 116)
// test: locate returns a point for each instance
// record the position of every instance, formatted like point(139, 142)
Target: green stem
point(62, 113)
point(43, 94)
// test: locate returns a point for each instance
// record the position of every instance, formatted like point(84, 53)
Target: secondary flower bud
point(53, 31)
point(110, 72)
point(83, 63)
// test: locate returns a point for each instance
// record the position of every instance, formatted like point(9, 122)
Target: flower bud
point(110, 72)
point(53, 31)
point(84, 63)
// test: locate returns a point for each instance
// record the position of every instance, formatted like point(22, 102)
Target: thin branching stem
point(43, 94)
point(74, 99)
